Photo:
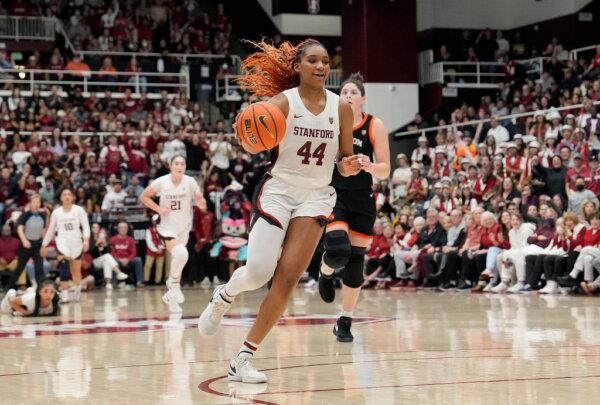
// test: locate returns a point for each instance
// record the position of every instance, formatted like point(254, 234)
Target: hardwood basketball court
point(422, 347)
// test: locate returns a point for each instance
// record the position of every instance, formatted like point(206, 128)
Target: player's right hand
point(43, 251)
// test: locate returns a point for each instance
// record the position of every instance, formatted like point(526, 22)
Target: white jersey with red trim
point(70, 225)
point(178, 198)
point(306, 155)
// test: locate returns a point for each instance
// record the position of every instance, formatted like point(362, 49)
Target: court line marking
point(328, 355)
point(205, 385)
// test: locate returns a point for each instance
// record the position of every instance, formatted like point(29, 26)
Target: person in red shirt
point(124, 250)
point(589, 241)
point(9, 245)
point(579, 169)
point(43, 156)
point(593, 181)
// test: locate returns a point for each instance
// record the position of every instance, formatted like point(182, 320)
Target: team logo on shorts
point(331, 120)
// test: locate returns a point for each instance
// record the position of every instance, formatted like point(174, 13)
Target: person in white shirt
point(70, 227)
point(499, 133)
point(174, 146)
point(221, 151)
point(176, 192)
point(401, 176)
point(20, 156)
point(114, 198)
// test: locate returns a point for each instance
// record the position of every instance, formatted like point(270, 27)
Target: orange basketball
point(261, 126)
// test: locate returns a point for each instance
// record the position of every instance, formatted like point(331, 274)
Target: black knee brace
point(337, 249)
point(353, 275)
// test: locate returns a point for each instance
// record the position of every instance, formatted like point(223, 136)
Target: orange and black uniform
point(355, 205)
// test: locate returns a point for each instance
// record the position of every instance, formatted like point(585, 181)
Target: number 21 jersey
point(178, 198)
point(306, 156)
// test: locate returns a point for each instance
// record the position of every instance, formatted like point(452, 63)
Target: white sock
point(326, 270)
point(346, 313)
point(247, 350)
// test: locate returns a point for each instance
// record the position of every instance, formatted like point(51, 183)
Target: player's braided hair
point(271, 70)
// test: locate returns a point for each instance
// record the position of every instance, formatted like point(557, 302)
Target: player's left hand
point(86, 245)
point(350, 165)
point(365, 163)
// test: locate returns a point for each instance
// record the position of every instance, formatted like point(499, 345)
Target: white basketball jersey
point(307, 153)
point(73, 224)
point(179, 200)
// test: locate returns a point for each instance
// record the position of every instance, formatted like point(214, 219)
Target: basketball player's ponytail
point(271, 70)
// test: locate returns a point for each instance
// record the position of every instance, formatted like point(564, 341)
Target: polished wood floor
point(410, 347)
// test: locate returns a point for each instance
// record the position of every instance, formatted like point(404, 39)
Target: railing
point(227, 88)
point(475, 74)
point(27, 28)
point(429, 72)
point(183, 57)
point(574, 54)
point(510, 117)
point(138, 82)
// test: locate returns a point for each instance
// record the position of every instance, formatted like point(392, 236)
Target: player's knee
point(259, 272)
point(353, 274)
point(180, 254)
point(337, 249)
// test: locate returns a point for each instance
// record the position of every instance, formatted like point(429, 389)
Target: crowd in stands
point(157, 26)
point(505, 206)
point(109, 173)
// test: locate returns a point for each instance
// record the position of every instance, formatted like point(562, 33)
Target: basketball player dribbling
point(70, 226)
point(350, 233)
point(294, 200)
point(176, 192)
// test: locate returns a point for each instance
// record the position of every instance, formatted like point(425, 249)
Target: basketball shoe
point(240, 369)
point(210, 319)
point(175, 290)
point(326, 287)
point(341, 329)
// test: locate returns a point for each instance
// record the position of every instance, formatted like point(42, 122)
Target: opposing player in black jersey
point(350, 233)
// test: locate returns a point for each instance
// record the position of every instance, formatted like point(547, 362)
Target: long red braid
point(271, 70)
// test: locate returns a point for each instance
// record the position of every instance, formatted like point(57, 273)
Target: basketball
point(260, 127)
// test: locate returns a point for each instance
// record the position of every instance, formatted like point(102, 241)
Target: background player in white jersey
point(294, 200)
point(70, 227)
point(176, 193)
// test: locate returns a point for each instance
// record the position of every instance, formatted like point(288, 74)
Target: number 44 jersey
point(179, 199)
point(305, 158)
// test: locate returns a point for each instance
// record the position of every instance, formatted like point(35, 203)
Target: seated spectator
point(155, 254)
point(9, 246)
point(124, 251)
point(77, 67)
point(107, 73)
point(114, 198)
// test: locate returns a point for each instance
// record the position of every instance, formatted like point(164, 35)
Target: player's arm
point(348, 164)
point(16, 303)
point(50, 232)
point(85, 227)
point(381, 166)
point(146, 198)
